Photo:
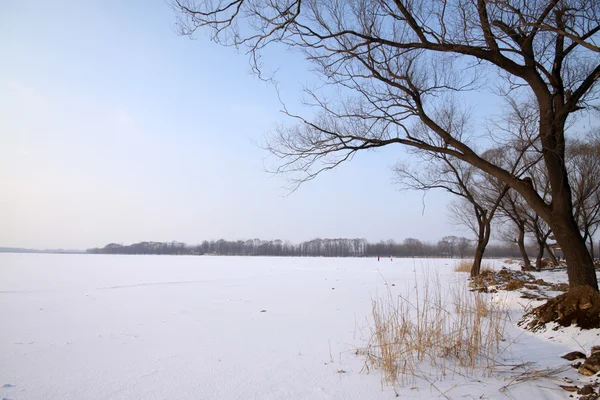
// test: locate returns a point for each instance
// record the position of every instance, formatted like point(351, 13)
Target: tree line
point(448, 246)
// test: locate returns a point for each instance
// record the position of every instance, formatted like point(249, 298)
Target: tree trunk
point(580, 266)
point(540, 256)
point(476, 268)
point(551, 254)
point(482, 241)
point(521, 243)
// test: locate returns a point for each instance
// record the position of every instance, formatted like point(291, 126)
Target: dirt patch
point(559, 287)
point(514, 284)
point(502, 277)
point(580, 306)
point(528, 268)
point(508, 279)
point(533, 296)
point(547, 263)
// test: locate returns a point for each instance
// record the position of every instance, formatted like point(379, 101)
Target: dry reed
point(464, 265)
point(434, 332)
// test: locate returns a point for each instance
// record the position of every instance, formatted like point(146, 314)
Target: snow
point(179, 327)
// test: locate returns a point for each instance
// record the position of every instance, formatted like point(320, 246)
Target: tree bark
point(479, 251)
point(540, 256)
point(580, 266)
point(482, 241)
point(551, 254)
point(521, 244)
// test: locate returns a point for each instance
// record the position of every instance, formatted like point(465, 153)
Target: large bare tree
point(399, 64)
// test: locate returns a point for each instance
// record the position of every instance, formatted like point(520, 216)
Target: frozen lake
point(178, 327)
point(156, 327)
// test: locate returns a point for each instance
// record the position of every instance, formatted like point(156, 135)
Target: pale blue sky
point(115, 129)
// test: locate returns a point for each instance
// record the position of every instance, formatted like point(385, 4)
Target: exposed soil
point(507, 279)
point(580, 306)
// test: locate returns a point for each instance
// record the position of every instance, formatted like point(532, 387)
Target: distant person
point(378, 257)
point(391, 259)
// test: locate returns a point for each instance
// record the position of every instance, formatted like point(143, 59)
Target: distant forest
point(448, 246)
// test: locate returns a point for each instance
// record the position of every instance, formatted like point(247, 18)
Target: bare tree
point(446, 246)
point(584, 172)
point(512, 208)
point(414, 246)
point(541, 233)
point(396, 65)
point(440, 171)
point(462, 246)
point(514, 234)
point(524, 218)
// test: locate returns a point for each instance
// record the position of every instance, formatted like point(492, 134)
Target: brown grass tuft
point(514, 284)
point(486, 268)
point(463, 266)
point(444, 331)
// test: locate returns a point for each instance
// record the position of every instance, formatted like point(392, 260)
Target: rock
point(574, 355)
point(583, 370)
point(587, 389)
point(591, 366)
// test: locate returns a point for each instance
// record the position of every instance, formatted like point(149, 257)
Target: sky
point(115, 129)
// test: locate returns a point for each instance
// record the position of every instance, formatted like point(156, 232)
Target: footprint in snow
point(7, 385)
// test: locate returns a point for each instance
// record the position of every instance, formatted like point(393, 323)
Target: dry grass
point(440, 331)
point(465, 265)
point(486, 268)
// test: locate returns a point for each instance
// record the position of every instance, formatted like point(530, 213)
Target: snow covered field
point(163, 327)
